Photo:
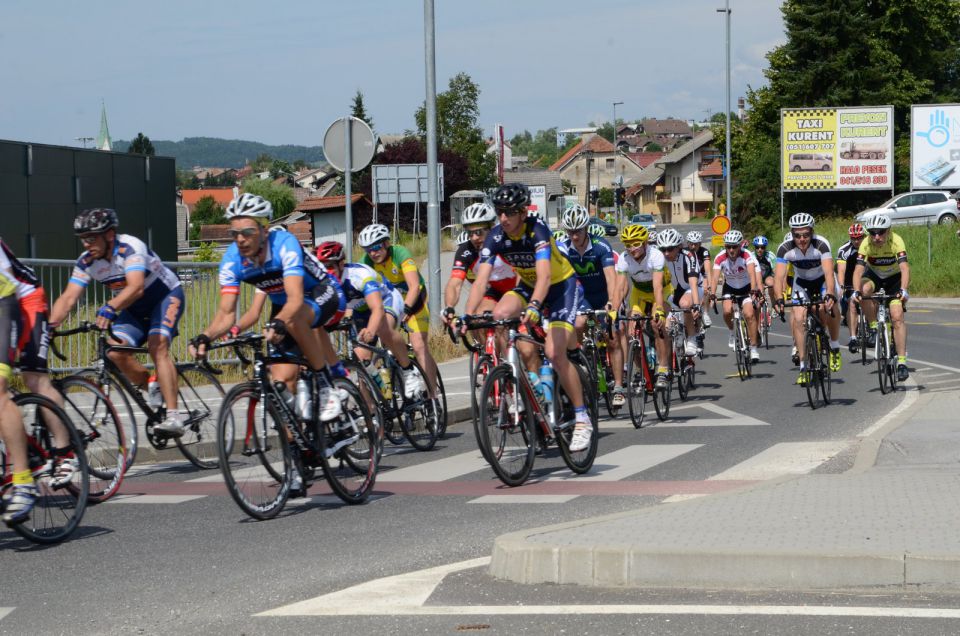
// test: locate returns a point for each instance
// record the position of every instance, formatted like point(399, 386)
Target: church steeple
point(103, 139)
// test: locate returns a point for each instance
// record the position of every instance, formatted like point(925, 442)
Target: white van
point(800, 161)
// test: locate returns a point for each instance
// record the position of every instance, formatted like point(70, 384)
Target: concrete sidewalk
point(894, 519)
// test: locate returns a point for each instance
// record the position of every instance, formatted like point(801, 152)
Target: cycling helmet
point(252, 206)
point(800, 220)
point(878, 221)
point(511, 196)
point(533, 214)
point(694, 237)
point(95, 220)
point(597, 230)
point(330, 251)
point(373, 234)
point(760, 241)
point(575, 217)
point(652, 238)
point(478, 213)
point(733, 237)
point(668, 238)
point(559, 235)
point(463, 237)
point(856, 231)
point(634, 235)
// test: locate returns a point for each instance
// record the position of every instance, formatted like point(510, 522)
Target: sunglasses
point(478, 232)
point(634, 246)
point(508, 213)
point(374, 248)
point(877, 232)
point(87, 240)
point(247, 232)
point(802, 235)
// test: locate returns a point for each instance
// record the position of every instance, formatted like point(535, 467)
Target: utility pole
point(616, 151)
point(433, 198)
point(84, 140)
point(726, 109)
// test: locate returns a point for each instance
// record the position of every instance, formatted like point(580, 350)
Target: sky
point(281, 73)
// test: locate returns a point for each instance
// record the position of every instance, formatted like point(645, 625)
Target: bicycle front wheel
point(200, 395)
point(253, 453)
point(420, 417)
point(101, 434)
point(481, 371)
point(636, 384)
point(883, 359)
point(814, 370)
point(578, 461)
point(348, 449)
point(440, 404)
point(58, 509)
point(506, 422)
point(371, 397)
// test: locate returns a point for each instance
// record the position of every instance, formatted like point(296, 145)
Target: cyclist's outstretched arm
point(543, 279)
point(904, 275)
point(375, 303)
point(65, 303)
point(451, 293)
point(293, 288)
point(611, 277)
point(479, 287)
point(252, 315)
point(132, 292)
point(779, 280)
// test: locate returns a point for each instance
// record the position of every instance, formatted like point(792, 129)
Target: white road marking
point(152, 499)
point(934, 375)
point(437, 470)
point(910, 396)
point(406, 595)
point(522, 499)
point(730, 418)
point(251, 472)
point(5, 610)
point(789, 458)
point(947, 381)
point(628, 461)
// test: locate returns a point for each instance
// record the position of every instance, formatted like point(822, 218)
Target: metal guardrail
point(201, 289)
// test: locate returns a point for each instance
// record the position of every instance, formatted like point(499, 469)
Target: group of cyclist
point(517, 268)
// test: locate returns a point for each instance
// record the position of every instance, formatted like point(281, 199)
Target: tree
point(206, 253)
point(458, 112)
point(281, 197)
point(541, 149)
point(653, 147)
point(605, 199)
point(262, 162)
point(206, 212)
point(141, 145)
point(359, 111)
point(280, 168)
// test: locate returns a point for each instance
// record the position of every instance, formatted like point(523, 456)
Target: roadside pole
point(433, 200)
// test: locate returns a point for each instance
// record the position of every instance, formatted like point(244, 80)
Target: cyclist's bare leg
point(615, 350)
point(131, 367)
point(307, 337)
point(728, 313)
point(852, 318)
point(870, 309)
point(418, 340)
point(558, 340)
point(40, 383)
point(12, 433)
point(753, 325)
point(391, 338)
point(662, 344)
point(689, 324)
point(899, 328)
point(511, 306)
point(580, 324)
point(159, 348)
point(796, 326)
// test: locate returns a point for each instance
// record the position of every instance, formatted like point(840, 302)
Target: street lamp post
point(84, 140)
point(727, 185)
point(615, 152)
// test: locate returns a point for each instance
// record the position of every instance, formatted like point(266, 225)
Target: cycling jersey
point(884, 260)
point(283, 257)
point(641, 273)
point(766, 263)
point(589, 266)
point(358, 280)
point(848, 253)
point(682, 268)
point(130, 254)
point(399, 261)
point(522, 252)
point(736, 270)
point(11, 268)
point(465, 262)
point(808, 266)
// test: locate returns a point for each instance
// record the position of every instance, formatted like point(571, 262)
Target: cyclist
point(846, 264)
point(739, 270)
point(395, 264)
point(684, 270)
point(766, 263)
point(882, 261)
point(592, 260)
point(810, 255)
point(376, 309)
point(645, 275)
point(477, 219)
point(547, 289)
point(147, 304)
point(303, 297)
point(705, 265)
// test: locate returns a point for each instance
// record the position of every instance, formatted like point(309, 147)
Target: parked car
point(646, 220)
point(919, 208)
point(610, 229)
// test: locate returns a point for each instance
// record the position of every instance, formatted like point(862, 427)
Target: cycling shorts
point(560, 305)
point(645, 301)
point(891, 284)
point(9, 334)
point(34, 342)
point(392, 305)
point(804, 290)
point(162, 319)
point(327, 305)
point(737, 291)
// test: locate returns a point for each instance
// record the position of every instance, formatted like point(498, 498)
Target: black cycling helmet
point(511, 196)
point(95, 220)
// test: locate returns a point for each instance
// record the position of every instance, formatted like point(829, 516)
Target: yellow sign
point(716, 239)
point(720, 224)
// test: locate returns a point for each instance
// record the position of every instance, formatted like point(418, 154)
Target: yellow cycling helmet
point(634, 235)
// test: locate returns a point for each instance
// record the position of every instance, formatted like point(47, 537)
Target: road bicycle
point(516, 422)
point(816, 352)
point(483, 359)
point(741, 336)
point(885, 349)
point(594, 346)
point(198, 393)
point(640, 379)
point(58, 509)
point(765, 316)
point(270, 443)
point(682, 367)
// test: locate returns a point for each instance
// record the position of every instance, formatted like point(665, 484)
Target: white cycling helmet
point(478, 213)
point(694, 237)
point(801, 219)
point(373, 234)
point(878, 221)
point(669, 238)
point(733, 237)
point(463, 237)
point(252, 206)
point(575, 217)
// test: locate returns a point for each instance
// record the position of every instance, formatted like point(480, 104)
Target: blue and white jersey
point(130, 254)
point(283, 257)
point(806, 265)
point(588, 267)
point(358, 280)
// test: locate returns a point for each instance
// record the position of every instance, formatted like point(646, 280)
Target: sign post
point(349, 145)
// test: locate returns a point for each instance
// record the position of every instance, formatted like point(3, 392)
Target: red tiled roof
point(595, 143)
point(644, 159)
point(329, 203)
point(712, 169)
point(223, 196)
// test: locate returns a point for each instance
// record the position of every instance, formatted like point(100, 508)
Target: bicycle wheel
point(253, 457)
point(578, 461)
point(680, 372)
point(98, 424)
point(58, 509)
point(200, 395)
point(441, 407)
point(348, 448)
point(507, 423)
point(482, 370)
point(745, 349)
point(765, 325)
point(124, 409)
point(825, 388)
point(813, 369)
point(393, 407)
point(883, 361)
point(419, 420)
point(892, 359)
point(862, 336)
point(636, 384)
point(661, 400)
point(738, 350)
point(371, 397)
point(612, 409)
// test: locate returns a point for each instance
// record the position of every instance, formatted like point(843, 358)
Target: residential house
point(328, 216)
point(593, 158)
point(645, 192)
point(190, 198)
point(546, 187)
point(507, 153)
point(692, 181)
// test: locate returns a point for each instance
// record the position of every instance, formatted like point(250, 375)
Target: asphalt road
point(163, 558)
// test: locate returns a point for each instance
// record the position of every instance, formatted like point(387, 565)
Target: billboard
point(934, 146)
point(836, 148)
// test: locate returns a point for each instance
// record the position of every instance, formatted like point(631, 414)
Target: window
point(610, 164)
